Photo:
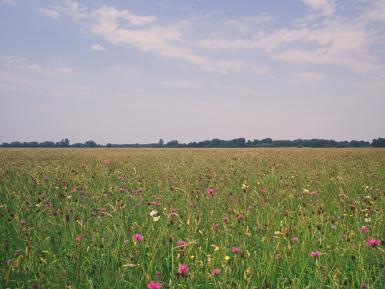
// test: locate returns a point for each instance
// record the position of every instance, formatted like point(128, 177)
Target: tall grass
point(67, 217)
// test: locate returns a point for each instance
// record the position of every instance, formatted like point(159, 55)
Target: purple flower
point(373, 243)
point(235, 250)
point(182, 270)
point(138, 237)
point(315, 254)
point(364, 229)
point(295, 239)
point(154, 285)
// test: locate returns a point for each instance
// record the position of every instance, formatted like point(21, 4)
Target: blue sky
point(137, 71)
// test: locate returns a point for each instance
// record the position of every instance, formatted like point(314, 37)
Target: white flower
point(156, 219)
point(153, 213)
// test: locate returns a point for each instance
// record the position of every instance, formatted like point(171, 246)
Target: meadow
point(192, 218)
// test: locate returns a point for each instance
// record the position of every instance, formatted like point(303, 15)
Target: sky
point(137, 71)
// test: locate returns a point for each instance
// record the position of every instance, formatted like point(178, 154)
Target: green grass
point(48, 197)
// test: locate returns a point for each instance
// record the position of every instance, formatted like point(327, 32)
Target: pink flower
point(154, 285)
point(215, 226)
point(216, 272)
point(240, 217)
point(158, 274)
point(313, 193)
point(235, 250)
point(210, 191)
point(182, 269)
point(171, 213)
point(364, 229)
point(138, 237)
point(180, 243)
point(78, 238)
point(373, 243)
point(315, 254)
point(225, 219)
point(295, 239)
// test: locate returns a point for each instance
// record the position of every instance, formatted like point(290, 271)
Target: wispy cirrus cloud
point(97, 47)
point(334, 40)
point(326, 7)
point(147, 34)
point(50, 13)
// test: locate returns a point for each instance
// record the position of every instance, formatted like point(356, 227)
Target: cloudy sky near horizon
point(136, 71)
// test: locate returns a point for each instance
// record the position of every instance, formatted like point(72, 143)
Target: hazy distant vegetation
point(214, 143)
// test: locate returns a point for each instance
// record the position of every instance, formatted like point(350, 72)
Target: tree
point(378, 143)
point(172, 144)
point(90, 144)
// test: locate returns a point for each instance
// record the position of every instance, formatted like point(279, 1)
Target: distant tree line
point(214, 143)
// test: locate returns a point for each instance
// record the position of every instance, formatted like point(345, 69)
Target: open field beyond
point(209, 218)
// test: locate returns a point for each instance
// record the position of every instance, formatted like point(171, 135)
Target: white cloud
point(110, 13)
point(21, 64)
point(332, 41)
point(73, 9)
point(326, 7)
point(375, 11)
point(49, 13)
point(145, 33)
point(97, 47)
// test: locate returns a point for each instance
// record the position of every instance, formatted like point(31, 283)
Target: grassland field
point(192, 218)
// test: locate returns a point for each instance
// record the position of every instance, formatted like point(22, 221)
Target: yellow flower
point(227, 258)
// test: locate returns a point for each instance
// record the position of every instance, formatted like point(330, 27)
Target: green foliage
point(67, 217)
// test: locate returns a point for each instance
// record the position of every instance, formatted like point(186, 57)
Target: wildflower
point(373, 243)
point(210, 191)
point(138, 237)
point(313, 193)
point(153, 213)
point(235, 250)
point(156, 219)
point(240, 217)
point(182, 270)
point(216, 248)
point(215, 226)
point(295, 239)
point(216, 272)
point(225, 219)
point(78, 238)
point(315, 254)
point(154, 285)
point(227, 258)
point(171, 213)
point(364, 229)
point(181, 243)
point(158, 274)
